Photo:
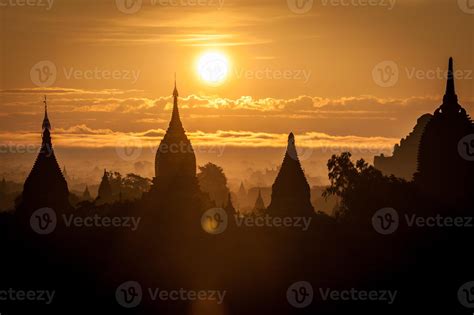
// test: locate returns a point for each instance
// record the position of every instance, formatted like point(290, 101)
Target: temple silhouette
point(171, 249)
point(444, 176)
point(432, 154)
point(175, 161)
point(291, 192)
point(404, 161)
point(45, 186)
point(104, 193)
point(259, 207)
point(175, 188)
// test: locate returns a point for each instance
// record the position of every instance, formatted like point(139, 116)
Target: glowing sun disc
point(213, 68)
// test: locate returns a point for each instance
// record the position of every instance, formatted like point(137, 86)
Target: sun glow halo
point(213, 68)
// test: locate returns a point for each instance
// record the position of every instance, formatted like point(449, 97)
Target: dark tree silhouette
point(133, 186)
point(363, 189)
point(213, 181)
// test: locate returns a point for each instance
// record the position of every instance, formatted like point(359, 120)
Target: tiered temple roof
point(46, 185)
point(291, 194)
point(443, 173)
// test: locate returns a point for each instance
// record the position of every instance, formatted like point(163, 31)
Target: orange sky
point(332, 71)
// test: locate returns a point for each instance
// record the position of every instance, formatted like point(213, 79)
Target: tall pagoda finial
point(450, 95)
point(46, 123)
point(175, 119)
point(291, 137)
point(450, 90)
point(175, 91)
point(291, 148)
point(175, 163)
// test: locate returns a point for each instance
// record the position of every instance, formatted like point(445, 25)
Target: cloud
point(84, 136)
point(363, 115)
point(59, 91)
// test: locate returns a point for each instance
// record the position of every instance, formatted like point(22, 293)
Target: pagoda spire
point(450, 90)
point(259, 204)
point(46, 123)
point(450, 98)
point(291, 148)
point(175, 119)
point(45, 186)
point(175, 91)
point(175, 162)
point(46, 145)
point(104, 194)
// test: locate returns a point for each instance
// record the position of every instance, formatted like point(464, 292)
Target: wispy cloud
point(134, 110)
point(84, 136)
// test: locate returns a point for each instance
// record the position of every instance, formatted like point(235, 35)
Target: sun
point(213, 68)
